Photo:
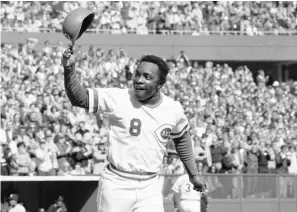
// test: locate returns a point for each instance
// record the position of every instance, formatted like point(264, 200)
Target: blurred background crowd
point(239, 123)
point(184, 17)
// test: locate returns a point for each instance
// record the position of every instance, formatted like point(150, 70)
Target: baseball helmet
point(76, 23)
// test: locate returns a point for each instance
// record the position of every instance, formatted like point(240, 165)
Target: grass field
point(168, 205)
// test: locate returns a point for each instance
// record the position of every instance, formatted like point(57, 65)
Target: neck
point(153, 100)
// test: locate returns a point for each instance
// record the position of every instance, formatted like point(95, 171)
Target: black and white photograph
point(148, 106)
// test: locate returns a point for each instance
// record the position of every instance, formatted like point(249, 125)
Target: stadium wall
point(80, 195)
point(216, 48)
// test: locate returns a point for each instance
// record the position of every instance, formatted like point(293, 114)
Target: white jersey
point(137, 133)
point(17, 208)
point(184, 187)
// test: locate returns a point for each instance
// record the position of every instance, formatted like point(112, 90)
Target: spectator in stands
point(13, 165)
point(263, 159)
point(78, 169)
point(23, 160)
point(228, 165)
point(200, 18)
point(8, 133)
point(82, 128)
point(252, 165)
point(63, 149)
point(53, 150)
point(52, 114)
point(292, 156)
point(217, 152)
point(44, 160)
point(201, 153)
point(292, 169)
point(4, 160)
point(64, 169)
point(283, 161)
point(237, 154)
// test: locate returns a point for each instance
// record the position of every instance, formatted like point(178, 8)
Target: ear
point(160, 84)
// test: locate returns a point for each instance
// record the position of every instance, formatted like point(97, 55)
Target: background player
point(185, 198)
point(14, 204)
point(141, 121)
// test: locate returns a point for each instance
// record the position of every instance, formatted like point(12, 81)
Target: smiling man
point(142, 120)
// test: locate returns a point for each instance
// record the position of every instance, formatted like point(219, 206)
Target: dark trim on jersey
point(184, 133)
point(76, 93)
point(95, 106)
point(184, 149)
point(176, 134)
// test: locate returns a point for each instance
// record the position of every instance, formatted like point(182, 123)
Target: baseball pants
point(121, 194)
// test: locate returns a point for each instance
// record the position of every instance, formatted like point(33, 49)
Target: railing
point(240, 193)
point(221, 186)
point(231, 192)
point(245, 186)
point(164, 32)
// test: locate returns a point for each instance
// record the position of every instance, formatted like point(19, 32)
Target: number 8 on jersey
point(135, 127)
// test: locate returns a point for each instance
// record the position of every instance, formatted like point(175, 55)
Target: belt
point(195, 200)
point(131, 175)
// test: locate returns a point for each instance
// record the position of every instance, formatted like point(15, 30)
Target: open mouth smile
point(139, 88)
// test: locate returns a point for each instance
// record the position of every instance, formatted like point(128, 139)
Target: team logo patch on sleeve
point(163, 132)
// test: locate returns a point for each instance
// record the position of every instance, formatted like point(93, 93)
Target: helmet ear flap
point(76, 23)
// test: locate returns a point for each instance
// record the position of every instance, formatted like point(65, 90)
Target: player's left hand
point(198, 183)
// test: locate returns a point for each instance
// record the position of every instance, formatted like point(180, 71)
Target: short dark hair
point(162, 65)
point(21, 144)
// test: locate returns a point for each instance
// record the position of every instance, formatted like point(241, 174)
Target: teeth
point(139, 88)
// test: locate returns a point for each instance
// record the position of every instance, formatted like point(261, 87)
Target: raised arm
point(77, 94)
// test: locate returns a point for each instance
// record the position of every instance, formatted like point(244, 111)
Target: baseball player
point(15, 206)
point(185, 198)
point(141, 120)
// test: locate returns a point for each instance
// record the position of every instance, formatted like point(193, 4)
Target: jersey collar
point(157, 103)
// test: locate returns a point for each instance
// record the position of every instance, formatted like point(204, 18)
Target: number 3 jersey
point(184, 187)
point(137, 133)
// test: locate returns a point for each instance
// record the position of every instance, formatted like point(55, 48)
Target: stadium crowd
point(196, 18)
point(239, 124)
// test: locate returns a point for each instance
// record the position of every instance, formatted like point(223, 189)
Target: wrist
point(196, 175)
point(69, 67)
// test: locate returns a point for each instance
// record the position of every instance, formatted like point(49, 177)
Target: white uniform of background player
point(187, 199)
point(137, 135)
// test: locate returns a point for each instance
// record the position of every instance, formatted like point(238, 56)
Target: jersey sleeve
point(182, 124)
point(102, 100)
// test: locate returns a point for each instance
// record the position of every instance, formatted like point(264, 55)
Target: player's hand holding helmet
point(74, 25)
point(68, 58)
